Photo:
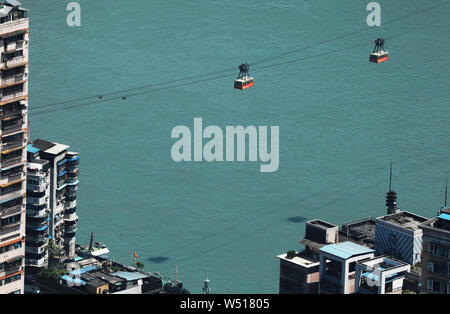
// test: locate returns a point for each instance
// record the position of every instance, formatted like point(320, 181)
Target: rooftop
point(321, 224)
point(49, 147)
point(383, 263)
point(129, 276)
point(346, 250)
point(13, 3)
point(440, 223)
point(32, 149)
point(444, 216)
point(361, 231)
point(405, 220)
point(300, 260)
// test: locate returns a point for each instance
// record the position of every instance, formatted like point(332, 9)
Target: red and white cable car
point(378, 54)
point(244, 80)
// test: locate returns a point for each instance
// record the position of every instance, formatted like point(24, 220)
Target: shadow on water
point(158, 259)
point(297, 219)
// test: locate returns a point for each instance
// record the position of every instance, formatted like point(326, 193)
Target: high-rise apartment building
point(37, 220)
point(13, 134)
point(62, 178)
point(436, 253)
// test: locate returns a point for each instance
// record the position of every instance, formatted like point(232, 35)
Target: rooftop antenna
point(391, 196)
point(390, 178)
point(91, 243)
point(176, 274)
point(206, 288)
point(446, 191)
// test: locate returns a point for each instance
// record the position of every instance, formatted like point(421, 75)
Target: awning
point(13, 166)
point(11, 183)
point(12, 150)
point(12, 118)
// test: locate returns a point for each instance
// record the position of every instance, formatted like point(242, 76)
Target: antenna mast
point(206, 288)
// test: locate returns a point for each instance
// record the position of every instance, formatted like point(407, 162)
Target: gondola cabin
point(379, 56)
point(244, 82)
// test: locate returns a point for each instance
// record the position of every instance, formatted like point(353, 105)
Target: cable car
point(244, 80)
point(378, 54)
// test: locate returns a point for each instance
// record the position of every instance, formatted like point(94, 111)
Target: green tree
point(53, 273)
point(291, 254)
point(139, 265)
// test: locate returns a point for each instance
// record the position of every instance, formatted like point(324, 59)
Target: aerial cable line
point(220, 71)
point(338, 50)
point(216, 77)
point(101, 96)
point(135, 94)
point(347, 35)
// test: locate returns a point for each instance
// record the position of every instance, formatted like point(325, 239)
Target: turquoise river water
point(341, 118)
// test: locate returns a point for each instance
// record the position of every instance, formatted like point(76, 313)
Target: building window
point(10, 247)
point(438, 268)
point(438, 250)
point(10, 280)
point(433, 286)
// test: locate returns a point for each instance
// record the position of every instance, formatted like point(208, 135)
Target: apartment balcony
point(71, 226)
point(72, 179)
point(73, 162)
point(13, 108)
point(36, 188)
point(11, 177)
point(13, 144)
point(71, 191)
point(33, 248)
point(72, 217)
point(13, 80)
point(11, 195)
point(35, 232)
point(12, 95)
point(37, 201)
point(13, 126)
point(71, 229)
point(38, 239)
point(41, 187)
point(10, 270)
point(11, 211)
point(36, 262)
point(8, 226)
point(18, 26)
point(14, 62)
point(70, 202)
point(37, 224)
point(37, 213)
point(11, 161)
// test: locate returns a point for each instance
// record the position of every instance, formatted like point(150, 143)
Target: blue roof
point(129, 276)
point(75, 280)
point(444, 216)
point(370, 276)
point(345, 250)
point(32, 149)
point(83, 270)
